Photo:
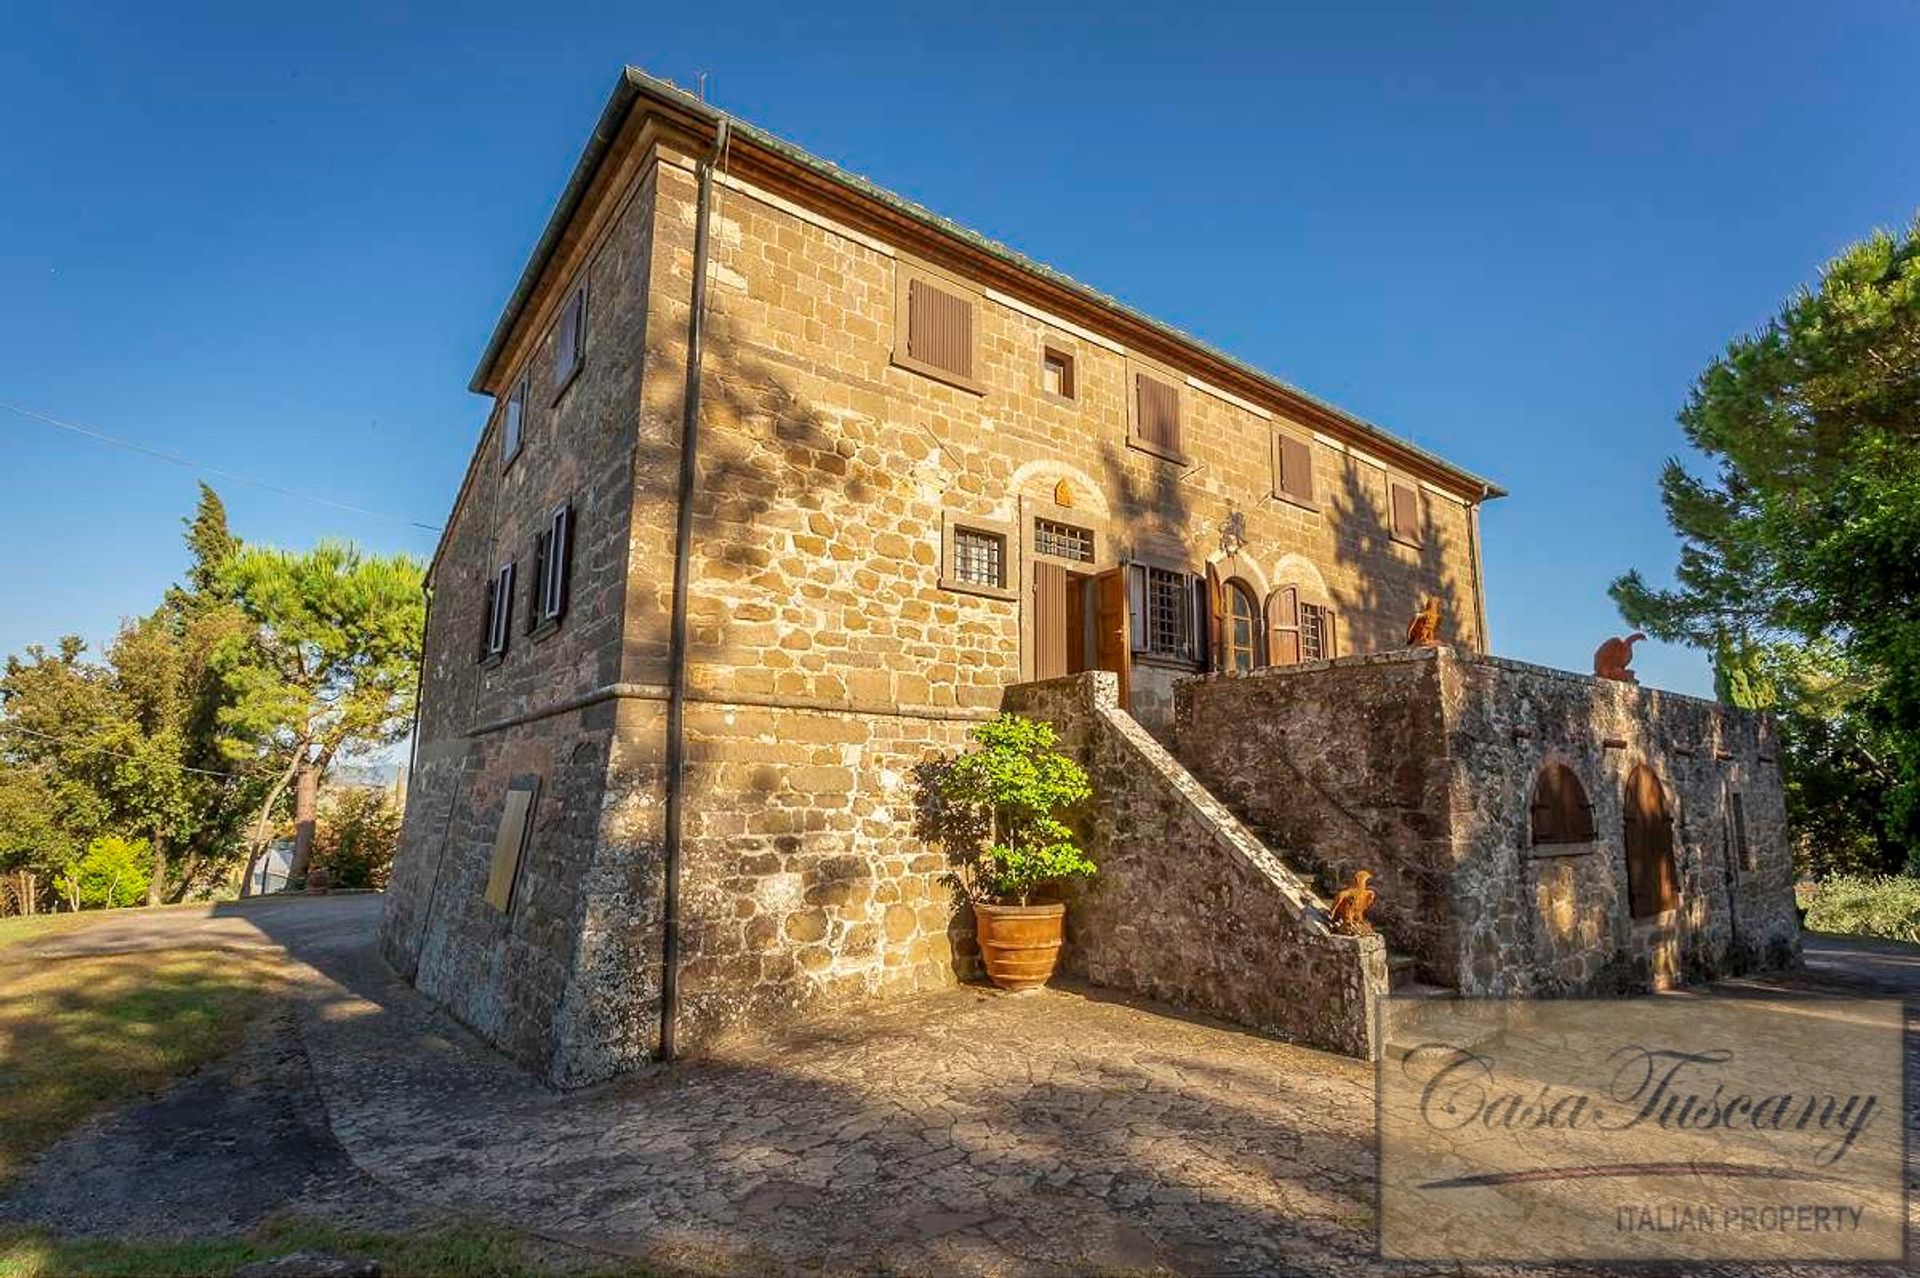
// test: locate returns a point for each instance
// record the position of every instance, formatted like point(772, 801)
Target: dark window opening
point(1056, 373)
point(570, 339)
point(513, 421)
point(552, 568)
point(499, 613)
point(1164, 604)
point(1737, 830)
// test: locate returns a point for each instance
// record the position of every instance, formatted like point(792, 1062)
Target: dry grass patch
point(83, 1035)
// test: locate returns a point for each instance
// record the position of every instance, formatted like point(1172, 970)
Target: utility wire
point(166, 456)
point(100, 749)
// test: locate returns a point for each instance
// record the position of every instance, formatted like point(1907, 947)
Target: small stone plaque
point(508, 841)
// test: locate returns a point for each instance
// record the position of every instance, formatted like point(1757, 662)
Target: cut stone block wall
point(1188, 906)
point(1420, 765)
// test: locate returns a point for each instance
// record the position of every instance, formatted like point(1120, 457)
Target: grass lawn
point(81, 1035)
point(456, 1252)
point(27, 927)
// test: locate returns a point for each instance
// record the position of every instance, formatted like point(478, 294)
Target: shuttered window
point(552, 566)
point(1292, 468)
point(1156, 415)
point(936, 327)
point(1405, 512)
point(513, 421)
point(499, 613)
point(570, 339)
point(1298, 630)
point(1561, 810)
point(1316, 629)
point(1652, 884)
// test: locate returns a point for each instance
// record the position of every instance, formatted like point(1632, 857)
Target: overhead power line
point(165, 455)
point(117, 754)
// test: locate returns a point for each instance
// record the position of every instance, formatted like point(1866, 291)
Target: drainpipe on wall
point(677, 653)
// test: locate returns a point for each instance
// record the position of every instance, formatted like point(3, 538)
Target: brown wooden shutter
point(940, 328)
point(1216, 599)
point(1406, 512)
point(1651, 886)
point(1294, 459)
point(1332, 626)
point(1049, 620)
point(1157, 412)
point(1113, 647)
point(1561, 813)
point(1283, 627)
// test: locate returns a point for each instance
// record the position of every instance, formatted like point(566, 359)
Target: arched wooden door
point(1652, 885)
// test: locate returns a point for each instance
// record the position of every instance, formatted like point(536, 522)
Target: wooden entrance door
point(1652, 885)
point(1112, 645)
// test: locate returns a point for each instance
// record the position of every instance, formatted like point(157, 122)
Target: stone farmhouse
point(671, 709)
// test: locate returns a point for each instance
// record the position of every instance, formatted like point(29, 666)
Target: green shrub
point(113, 872)
point(998, 807)
point(1862, 905)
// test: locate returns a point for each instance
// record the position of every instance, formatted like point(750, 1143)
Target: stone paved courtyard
point(960, 1132)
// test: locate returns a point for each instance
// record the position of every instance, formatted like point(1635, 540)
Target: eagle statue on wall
point(1350, 906)
point(1611, 659)
point(1424, 630)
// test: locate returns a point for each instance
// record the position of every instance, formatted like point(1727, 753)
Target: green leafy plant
point(999, 805)
point(112, 874)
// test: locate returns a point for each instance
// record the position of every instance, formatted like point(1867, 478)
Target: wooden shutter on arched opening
point(1561, 811)
point(1652, 884)
point(1216, 658)
point(1283, 626)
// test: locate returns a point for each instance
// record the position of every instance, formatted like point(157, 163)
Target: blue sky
point(1513, 234)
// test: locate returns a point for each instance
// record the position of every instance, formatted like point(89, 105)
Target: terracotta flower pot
point(1019, 943)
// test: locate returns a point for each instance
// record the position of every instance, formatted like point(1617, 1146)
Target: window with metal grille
point(513, 421)
point(1162, 604)
point(1156, 419)
point(940, 328)
point(1313, 633)
point(1063, 541)
point(979, 557)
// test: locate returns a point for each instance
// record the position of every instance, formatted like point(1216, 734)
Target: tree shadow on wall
point(1394, 578)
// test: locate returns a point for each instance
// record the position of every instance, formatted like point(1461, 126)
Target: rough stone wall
point(1574, 931)
point(1188, 906)
point(1421, 766)
point(1342, 766)
point(531, 715)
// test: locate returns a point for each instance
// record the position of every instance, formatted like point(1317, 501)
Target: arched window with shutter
point(1239, 629)
point(1652, 883)
point(1562, 812)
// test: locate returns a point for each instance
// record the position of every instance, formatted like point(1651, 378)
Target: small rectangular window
point(570, 339)
point(1292, 468)
point(1056, 373)
point(1405, 512)
point(1063, 541)
point(1156, 415)
point(513, 421)
point(1163, 605)
point(499, 611)
point(979, 558)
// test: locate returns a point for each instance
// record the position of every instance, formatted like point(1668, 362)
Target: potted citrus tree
point(1004, 799)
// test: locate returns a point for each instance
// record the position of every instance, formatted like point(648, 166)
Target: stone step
point(1414, 1003)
